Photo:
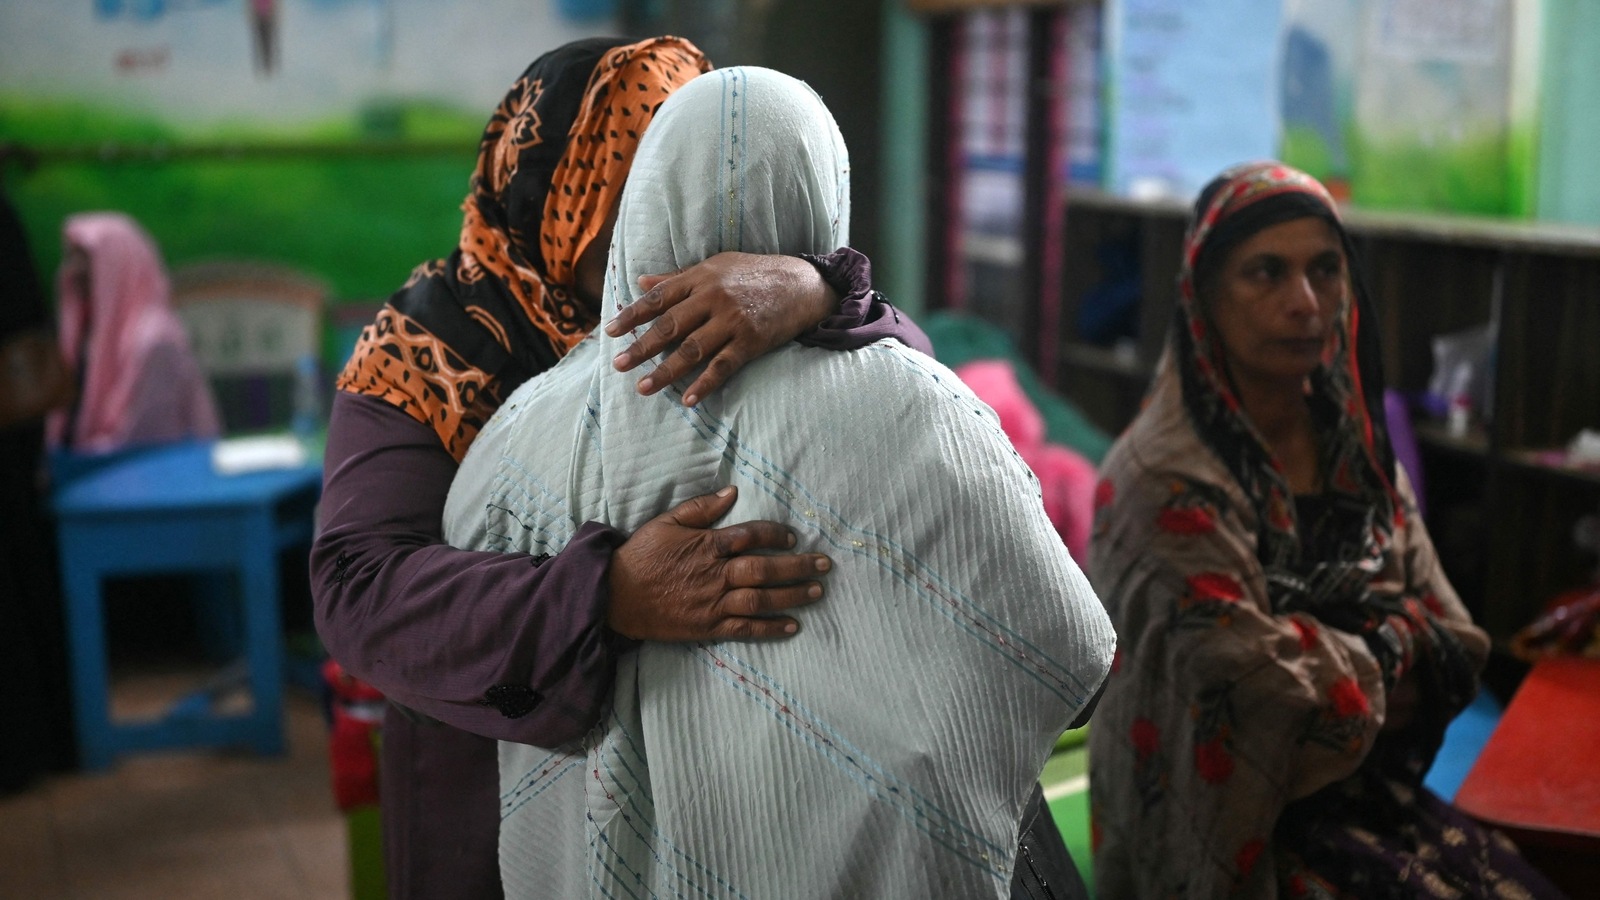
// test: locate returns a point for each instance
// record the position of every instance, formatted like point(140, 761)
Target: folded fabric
point(888, 749)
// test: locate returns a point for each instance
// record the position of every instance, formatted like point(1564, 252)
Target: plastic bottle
point(1459, 410)
point(306, 420)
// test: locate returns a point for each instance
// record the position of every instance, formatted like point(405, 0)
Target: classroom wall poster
point(1321, 45)
point(1192, 89)
point(274, 66)
point(1446, 106)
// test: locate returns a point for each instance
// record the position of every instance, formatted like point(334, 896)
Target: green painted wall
point(1569, 138)
point(901, 270)
point(361, 222)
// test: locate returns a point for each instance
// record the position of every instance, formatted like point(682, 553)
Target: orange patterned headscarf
point(466, 331)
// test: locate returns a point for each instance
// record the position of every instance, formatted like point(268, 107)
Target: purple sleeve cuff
point(864, 315)
point(504, 645)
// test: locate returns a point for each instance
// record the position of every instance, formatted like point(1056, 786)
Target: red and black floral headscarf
point(465, 331)
point(1346, 390)
point(1346, 398)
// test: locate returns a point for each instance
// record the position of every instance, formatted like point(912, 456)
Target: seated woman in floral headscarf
point(891, 749)
point(1289, 649)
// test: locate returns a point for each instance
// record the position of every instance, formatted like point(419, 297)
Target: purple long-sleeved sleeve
point(452, 633)
point(864, 315)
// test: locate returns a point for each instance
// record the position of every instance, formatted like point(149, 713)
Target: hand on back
point(721, 313)
point(679, 579)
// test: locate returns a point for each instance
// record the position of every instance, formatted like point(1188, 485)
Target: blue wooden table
point(163, 510)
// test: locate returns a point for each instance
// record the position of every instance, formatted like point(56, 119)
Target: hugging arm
point(733, 307)
point(437, 628)
point(508, 645)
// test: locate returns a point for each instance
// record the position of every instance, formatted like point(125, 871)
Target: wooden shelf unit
point(1501, 515)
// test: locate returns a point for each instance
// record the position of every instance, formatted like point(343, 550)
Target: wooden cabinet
point(1500, 509)
point(1087, 297)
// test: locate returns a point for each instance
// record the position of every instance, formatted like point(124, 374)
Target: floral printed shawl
point(1249, 675)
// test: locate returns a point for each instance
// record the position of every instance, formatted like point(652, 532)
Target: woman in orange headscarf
point(508, 646)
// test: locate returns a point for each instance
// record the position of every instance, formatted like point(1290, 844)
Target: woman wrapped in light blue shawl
point(888, 750)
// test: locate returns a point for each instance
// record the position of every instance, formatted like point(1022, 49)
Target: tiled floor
point(182, 825)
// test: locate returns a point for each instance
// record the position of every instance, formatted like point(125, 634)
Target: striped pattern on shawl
point(888, 749)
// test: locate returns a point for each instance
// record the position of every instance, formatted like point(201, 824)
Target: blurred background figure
point(37, 735)
point(264, 32)
point(139, 382)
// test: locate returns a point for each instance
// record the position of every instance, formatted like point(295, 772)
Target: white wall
point(190, 62)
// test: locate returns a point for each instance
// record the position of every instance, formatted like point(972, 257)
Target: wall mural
point(335, 135)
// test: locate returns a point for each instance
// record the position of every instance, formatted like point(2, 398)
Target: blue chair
point(164, 510)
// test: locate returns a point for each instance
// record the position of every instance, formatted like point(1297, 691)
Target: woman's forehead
point(1306, 236)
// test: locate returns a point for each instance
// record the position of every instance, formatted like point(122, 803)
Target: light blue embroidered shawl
point(885, 751)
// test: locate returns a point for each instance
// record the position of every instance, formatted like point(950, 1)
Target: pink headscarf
point(141, 383)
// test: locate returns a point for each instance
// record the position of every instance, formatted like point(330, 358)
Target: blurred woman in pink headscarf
point(138, 381)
